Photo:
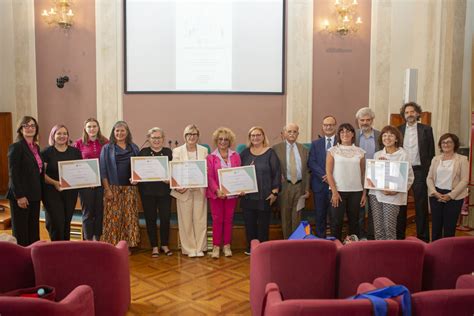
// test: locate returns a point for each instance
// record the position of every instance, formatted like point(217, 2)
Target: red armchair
point(80, 302)
point(16, 267)
point(400, 260)
point(67, 264)
point(465, 281)
point(275, 305)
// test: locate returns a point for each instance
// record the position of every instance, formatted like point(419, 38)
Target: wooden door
point(5, 140)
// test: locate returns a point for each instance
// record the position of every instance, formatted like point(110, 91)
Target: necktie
point(328, 144)
point(293, 176)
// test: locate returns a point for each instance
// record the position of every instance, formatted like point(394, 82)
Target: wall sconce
point(347, 21)
point(60, 14)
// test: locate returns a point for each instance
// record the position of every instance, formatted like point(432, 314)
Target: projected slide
point(221, 46)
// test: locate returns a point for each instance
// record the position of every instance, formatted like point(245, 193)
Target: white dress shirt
point(410, 144)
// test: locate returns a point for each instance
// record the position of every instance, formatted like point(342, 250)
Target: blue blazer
point(317, 164)
point(108, 165)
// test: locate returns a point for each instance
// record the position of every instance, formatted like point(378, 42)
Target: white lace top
point(347, 173)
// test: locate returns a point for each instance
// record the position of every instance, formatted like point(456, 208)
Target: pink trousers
point(222, 216)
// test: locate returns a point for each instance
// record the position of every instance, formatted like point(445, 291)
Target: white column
point(299, 75)
point(109, 62)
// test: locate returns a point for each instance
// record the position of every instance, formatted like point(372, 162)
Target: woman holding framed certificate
point(156, 194)
point(26, 171)
point(90, 145)
point(385, 204)
point(120, 196)
point(222, 206)
point(257, 206)
point(59, 204)
point(191, 202)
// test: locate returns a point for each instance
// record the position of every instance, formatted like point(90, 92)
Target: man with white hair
point(367, 138)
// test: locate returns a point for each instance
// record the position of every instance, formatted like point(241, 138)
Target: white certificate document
point(233, 181)
point(188, 174)
point(386, 175)
point(75, 174)
point(149, 168)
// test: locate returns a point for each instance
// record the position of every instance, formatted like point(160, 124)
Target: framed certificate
point(149, 168)
point(76, 174)
point(233, 181)
point(188, 174)
point(386, 175)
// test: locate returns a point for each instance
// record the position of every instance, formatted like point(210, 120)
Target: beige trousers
point(288, 200)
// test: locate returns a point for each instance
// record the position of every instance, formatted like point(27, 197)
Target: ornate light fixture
point(347, 21)
point(60, 14)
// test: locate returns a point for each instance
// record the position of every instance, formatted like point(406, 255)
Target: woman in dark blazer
point(156, 195)
point(26, 177)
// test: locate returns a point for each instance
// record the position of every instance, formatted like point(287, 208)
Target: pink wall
point(341, 67)
point(71, 54)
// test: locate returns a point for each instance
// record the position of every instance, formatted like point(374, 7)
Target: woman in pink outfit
point(222, 206)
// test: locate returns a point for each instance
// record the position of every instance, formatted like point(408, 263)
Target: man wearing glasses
point(317, 166)
point(293, 158)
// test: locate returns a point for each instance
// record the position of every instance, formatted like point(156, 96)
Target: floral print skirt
point(121, 216)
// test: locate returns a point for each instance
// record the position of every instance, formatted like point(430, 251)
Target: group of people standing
point(333, 169)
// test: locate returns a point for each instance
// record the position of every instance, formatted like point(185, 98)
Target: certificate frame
point(386, 175)
point(179, 171)
point(229, 176)
point(138, 177)
point(77, 174)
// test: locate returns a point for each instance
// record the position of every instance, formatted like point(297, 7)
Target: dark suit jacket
point(280, 150)
point(317, 164)
point(426, 144)
point(25, 178)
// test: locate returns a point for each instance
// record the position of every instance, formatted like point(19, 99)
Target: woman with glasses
point(120, 194)
point(26, 172)
point(191, 203)
point(59, 205)
point(447, 186)
point(257, 206)
point(345, 166)
point(222, 206)
point(156, 195)
point(90, 145)
point(385, 204)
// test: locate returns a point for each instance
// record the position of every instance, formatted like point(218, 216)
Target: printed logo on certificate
point(149, 168)
point(76, 174)
point(233, 181)
point(188, 174)
point(386, 175)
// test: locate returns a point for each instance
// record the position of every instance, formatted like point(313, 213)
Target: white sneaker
point(215, 252)
point(247, 253)
point(227, 251)
point(200, 254)
point(192, 255)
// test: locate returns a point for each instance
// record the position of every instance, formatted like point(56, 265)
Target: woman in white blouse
point(447, 186)
point(345, 166)
point(385, 204)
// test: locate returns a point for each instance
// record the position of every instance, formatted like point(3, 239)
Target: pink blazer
point(214, 164)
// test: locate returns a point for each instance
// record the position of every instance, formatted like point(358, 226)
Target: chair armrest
point(382, 282)
point(365, 287)
point(254, 244)
point(465, 281)
point(272, 296)
point(413, 238)
point(338, 243)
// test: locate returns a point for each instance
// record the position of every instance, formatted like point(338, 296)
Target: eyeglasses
point(191, 134)
point(328, 125)
point(292, 132)
point(345, 131)
point(223, 139)
point(447, 142)
point(255, 135)
point(156, 138)
point(26, 126)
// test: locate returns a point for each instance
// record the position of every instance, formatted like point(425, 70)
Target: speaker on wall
point(410, 85)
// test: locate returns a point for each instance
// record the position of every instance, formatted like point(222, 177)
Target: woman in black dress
point(25, 168)
point(256, 207)
point(156, 195)
point(59, 204)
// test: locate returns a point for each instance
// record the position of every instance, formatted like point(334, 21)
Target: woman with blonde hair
point(191, 203)
point(90, 145)
point(256, 207)
point(222, 206)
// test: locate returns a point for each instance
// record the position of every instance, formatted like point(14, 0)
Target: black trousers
point(444, 216)
point(420, 193)
point(257, 224)
point(369, 232)
point(350, 205)
point(92, 202)
point(25, 222)
point(59, 210)
point(150, 205)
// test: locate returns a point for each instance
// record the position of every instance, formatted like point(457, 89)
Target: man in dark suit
point(367, 138)
point(293, 158)
point(418, 141)
point(317, 166)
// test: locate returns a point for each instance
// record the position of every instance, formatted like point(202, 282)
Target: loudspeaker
point(410, 85)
